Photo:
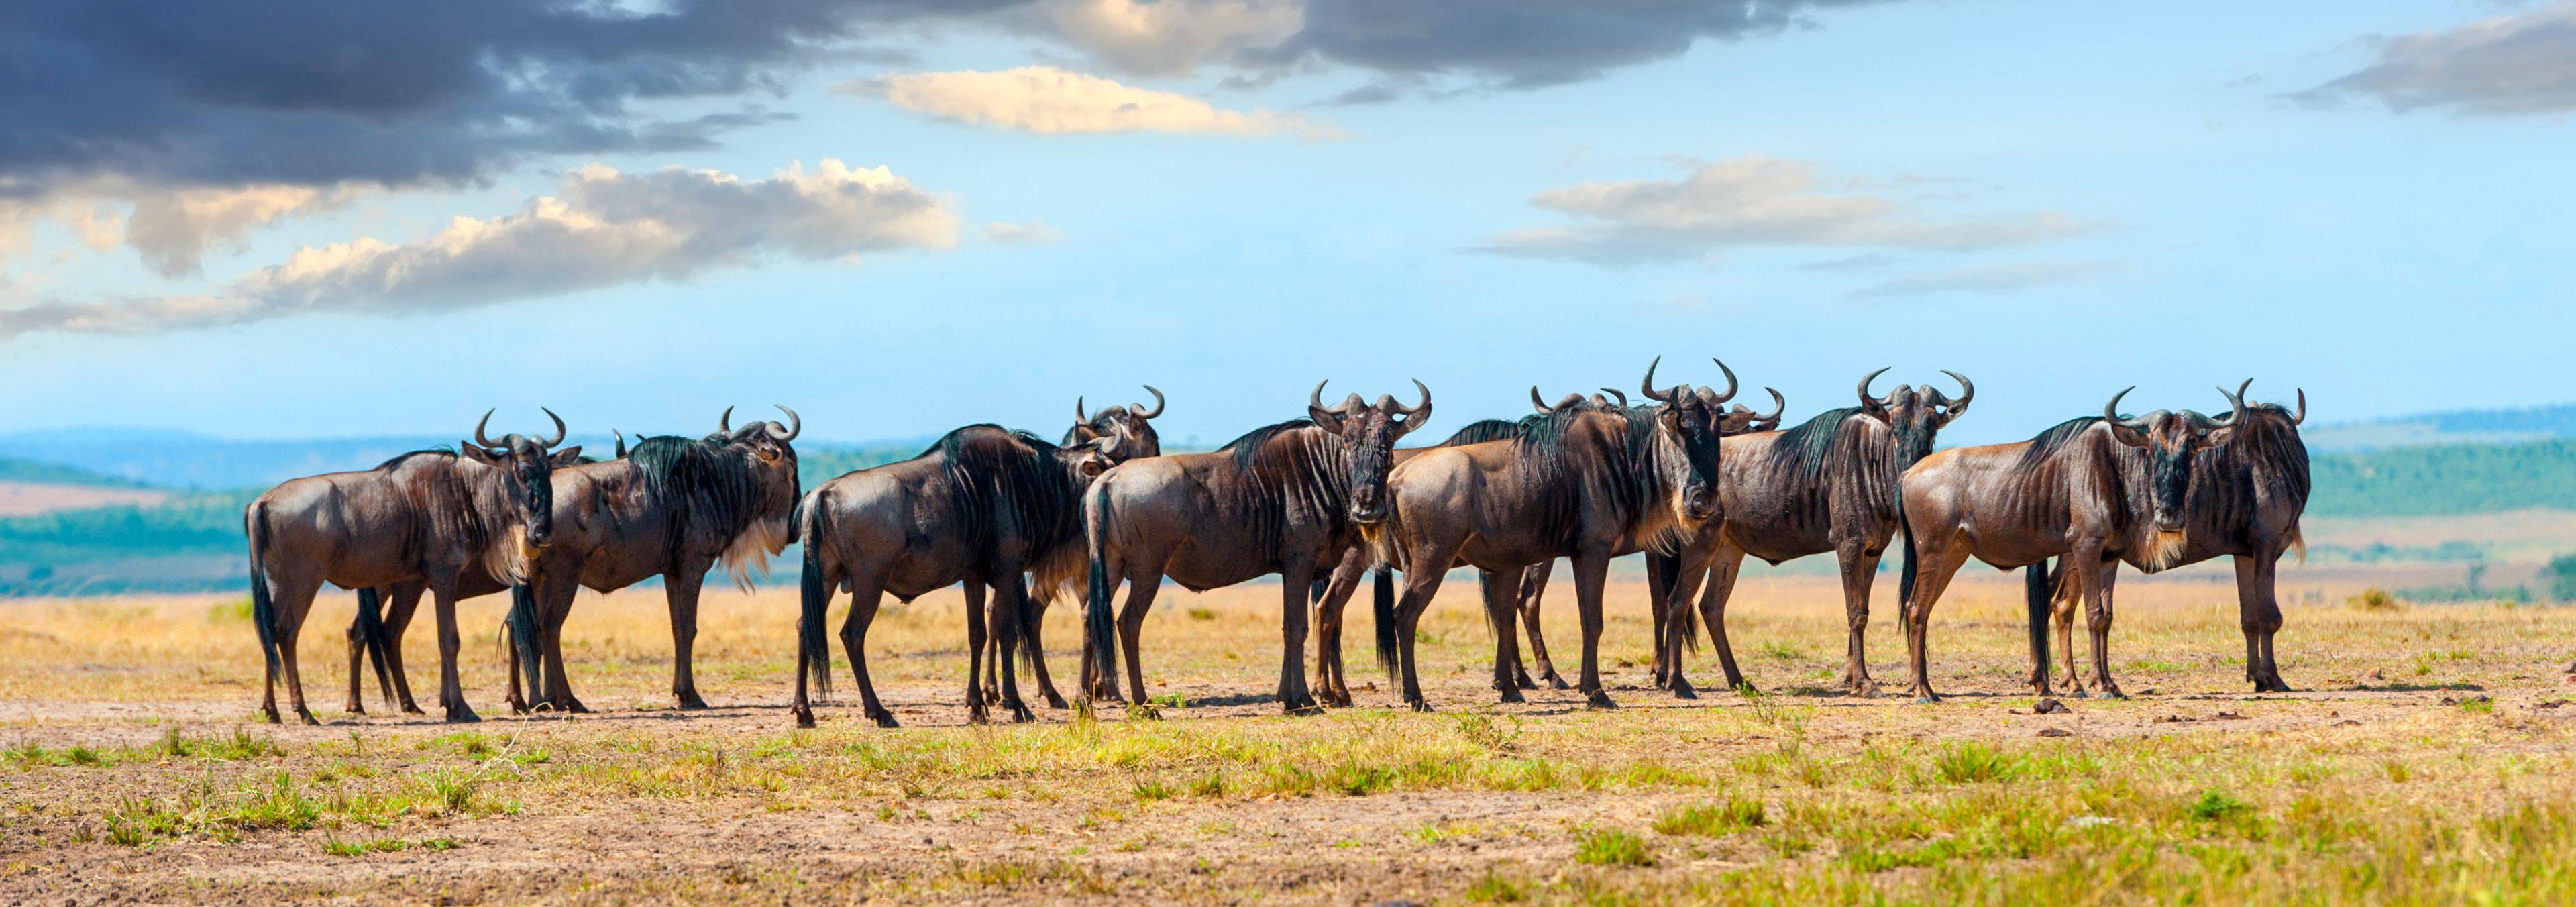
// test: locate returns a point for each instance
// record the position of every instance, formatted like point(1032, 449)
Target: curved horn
point(795, 425)
point(1315, 408)
point(2236, 403)
point(479, 437)
point(1779, 404)
point(1967, 391)
point(559, 430)
point(1648, 385)
point(1868, 402)
point(1615, 392)
point(1730, 380)
point(2111, 410)
point(621, 443)
point(724, 423)
point(1412, 413)
point(1077, 411)
point(1138, 407)
point(2302, 414)
point(1539, 402)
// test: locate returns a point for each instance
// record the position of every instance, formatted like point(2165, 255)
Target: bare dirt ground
point(2425, 760)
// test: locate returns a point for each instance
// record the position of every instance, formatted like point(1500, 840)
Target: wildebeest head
point(1091, 458)
point(2170, 440)
point(1368, 432)
point(1691, 422)
point(1914, 415)
point(1743, 420)
point(2250, 413)
point(529, 466)
point(1127, 426)
point(1602, 401)
point(770, 451)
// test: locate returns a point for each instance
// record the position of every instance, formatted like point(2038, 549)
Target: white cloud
point(1170, 37)
point(2518, 64)
point(1759, 201)
point(1045, 99)
point(171, 228)
point(604, 228)
point(1031, 232)
point(1989, 279)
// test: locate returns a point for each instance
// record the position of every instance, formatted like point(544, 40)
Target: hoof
point(1749, 691)
point(2079, 693)
point(410, 709)
point(692, 703)
point(804, 716)
point(307, 718)
point(1599, 700)
point(978, 716)
point(1302, 710)
point(1054, 701)
point(1864, 689)
point(1683, 691)
point(1558, 683)
point(1512, 696)
point(360, 709)
point(459, 714)
point(1927, 699)
point(1419, 705)
point(883, 718)
point(270, 715)
point(1020, 714)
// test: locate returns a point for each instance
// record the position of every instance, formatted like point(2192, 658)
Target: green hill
point(15, 470)
point(2445, 479)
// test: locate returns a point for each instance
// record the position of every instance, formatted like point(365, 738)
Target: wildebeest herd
point(1324, 502)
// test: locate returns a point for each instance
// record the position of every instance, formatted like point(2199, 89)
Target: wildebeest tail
point(1098, 624)
point(371, 632)
point(816, 589)
point(1382, 609)
point(2037, 595)
point(263, 610)
point(522, 621)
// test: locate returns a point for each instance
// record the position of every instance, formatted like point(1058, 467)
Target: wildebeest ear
point(2126, 434)
point(565, 457)
point(475, 452)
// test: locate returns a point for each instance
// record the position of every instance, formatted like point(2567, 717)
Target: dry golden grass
point(2425, 763)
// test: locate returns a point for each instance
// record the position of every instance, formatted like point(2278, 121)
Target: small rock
point(2172, 719)
point(2055, 732)
point(2049, 707)
point(2554, 703)
point(2229, 716)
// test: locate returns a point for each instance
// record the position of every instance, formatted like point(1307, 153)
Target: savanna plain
point(2430, 756)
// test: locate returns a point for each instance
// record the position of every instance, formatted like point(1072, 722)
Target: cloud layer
point(1045, 99)
point(1989, 279)
point(2519, 64)
point(1758, 201)
point(604, 228)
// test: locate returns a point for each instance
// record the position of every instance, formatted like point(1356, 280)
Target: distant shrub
point(2373, 599)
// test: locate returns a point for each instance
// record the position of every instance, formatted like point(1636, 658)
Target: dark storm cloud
point(399, 93)
point(1527, 43)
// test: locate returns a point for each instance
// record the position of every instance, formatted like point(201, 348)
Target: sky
point(276, 219)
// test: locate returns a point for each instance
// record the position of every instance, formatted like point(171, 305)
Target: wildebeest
point(982, 506)
point(2245, 500)
point(2093, 491)
point(434, 518)
point(1288, 499)
point(1583, 483)
point(1827, 485)
point(1132, 433)
point(673, 507)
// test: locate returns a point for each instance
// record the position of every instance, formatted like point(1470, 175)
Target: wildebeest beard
point(721, 496)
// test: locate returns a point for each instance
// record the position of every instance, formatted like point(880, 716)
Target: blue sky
point(2059, 200)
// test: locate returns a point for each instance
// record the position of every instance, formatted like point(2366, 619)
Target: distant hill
point(2445, 479)
point(37, 473)
point(2468, 426)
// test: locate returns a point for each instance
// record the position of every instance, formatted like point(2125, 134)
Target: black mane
point(1567, 476)
point(2047, 443)
point(1483, 430)
point(1002, 478)
point(710, 486)
point(1803, 449)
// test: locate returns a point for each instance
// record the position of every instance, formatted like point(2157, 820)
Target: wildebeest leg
point(1930, 580)
point(866, 592)
point(1660, 572)
point(975, 637)
point(1501, 601)
point(1859, 567)
point(1329, 682)
point(989, 678)
point(1722, 571)
point(1422, 577)
point(1680, 624)
point(1141, 586)
point(451, 692)
point(1033, 647)
point(400, 606)
point(1297, 585)
point(2068, 589)
point(680, 588)
point(2097, 610)
point(370, 614)
point(1009, 604)
point(2259, 614)
point(555, 595)
point(1534, 588)
point(293, 595)
point(1591, 570)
